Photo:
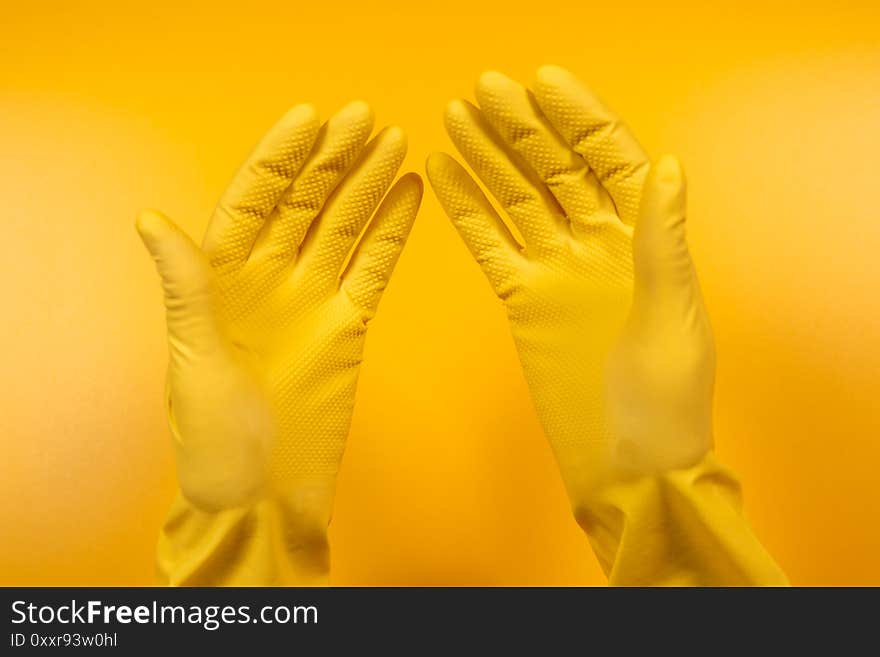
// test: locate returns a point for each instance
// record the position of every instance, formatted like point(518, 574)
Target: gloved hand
point(570, 176)
point(603, 303)
point(267, 320)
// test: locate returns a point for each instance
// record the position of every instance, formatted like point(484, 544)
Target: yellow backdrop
point(447, 478)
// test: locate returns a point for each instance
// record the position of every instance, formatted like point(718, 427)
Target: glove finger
point(513, 112)
point(531, 206)
point(482, 230)
point(597, 134)
point(377, 253)
point(258, 186)
point(349, 208)
point(187, 280)
point(664, 272)
point(337, 146)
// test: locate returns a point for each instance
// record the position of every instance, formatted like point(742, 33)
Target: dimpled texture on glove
point(569, 177)
point(267, 320)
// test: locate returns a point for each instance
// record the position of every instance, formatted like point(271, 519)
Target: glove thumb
point(662, 262)
point(188, 282)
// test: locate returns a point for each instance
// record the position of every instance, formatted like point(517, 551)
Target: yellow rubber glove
point(266, 327)
point(610, 326)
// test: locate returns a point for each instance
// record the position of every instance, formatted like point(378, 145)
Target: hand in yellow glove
point(605, 310)
point(267, 320)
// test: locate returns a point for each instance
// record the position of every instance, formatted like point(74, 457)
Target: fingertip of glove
point(664, 198)
point(489, 80)
point(356, 111)
point(412, 181)
point(456, 110)
point(550, 74)
point(393, 135)
point(301, 114)
point(149, 223)
point(357, 106)
point(407, 190)
point(668, 171)
point(435, 164)
point(412, 191)
point(154, 228)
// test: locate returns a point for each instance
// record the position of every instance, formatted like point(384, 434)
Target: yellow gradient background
point(106, 108)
